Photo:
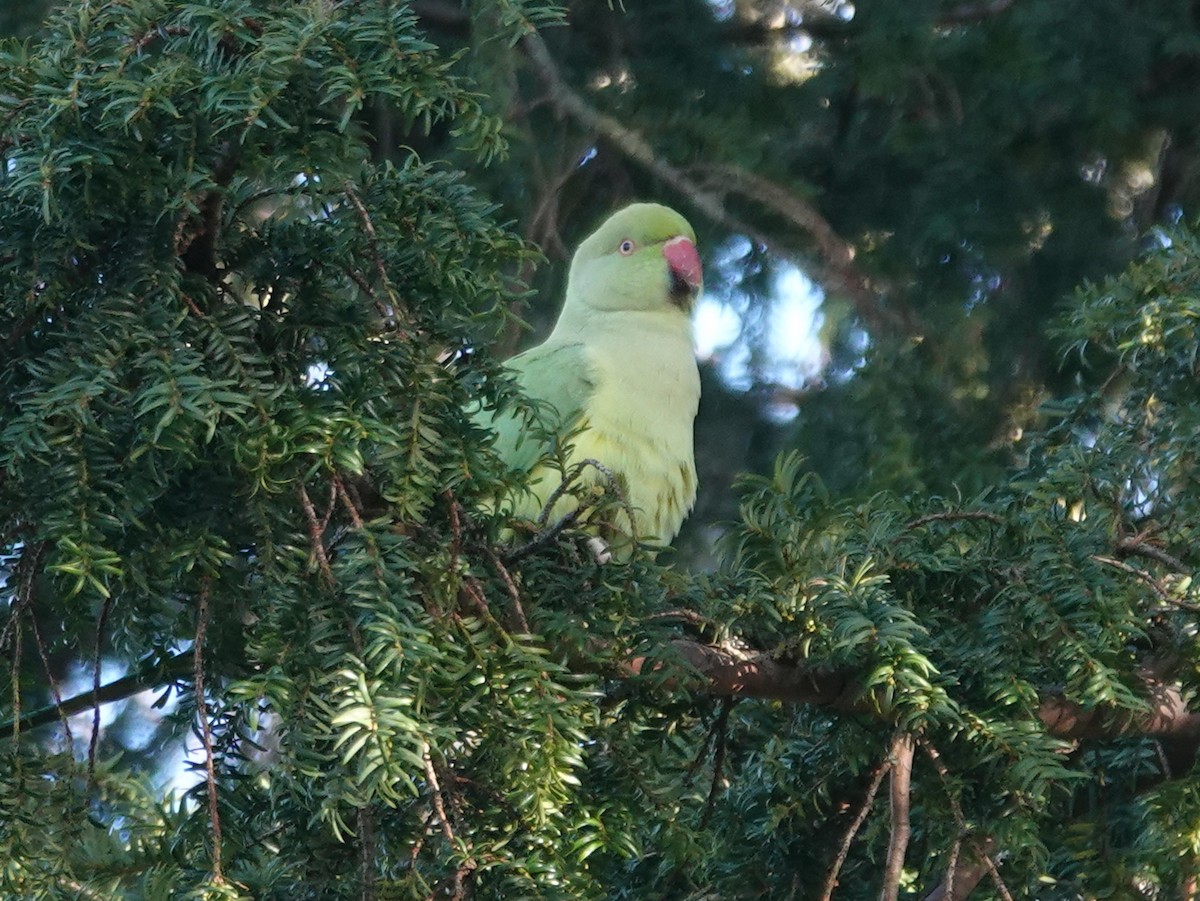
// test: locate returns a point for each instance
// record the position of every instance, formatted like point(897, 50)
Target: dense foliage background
point(260, 259)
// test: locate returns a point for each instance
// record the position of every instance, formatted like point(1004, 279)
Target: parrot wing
point(561, 380)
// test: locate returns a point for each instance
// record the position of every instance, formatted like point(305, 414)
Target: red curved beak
point(684, 261)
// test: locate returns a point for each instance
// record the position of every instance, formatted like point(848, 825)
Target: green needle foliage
point(238, 461)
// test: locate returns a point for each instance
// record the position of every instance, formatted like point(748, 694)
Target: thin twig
point(691, 617)
point(613, 483)
point(455, 531)
point(831, 880)
point(953, 515)
point(94, 740)
point(314, 535)
point(1161, 593)
point(58, 701)
point(1131, 546)
point(513, 592)
point(901, 786)
point(473, 590)
point(16, 680)
point(439, 803)
point(119, 690)
point(543, 538)
point(330, 504)
point(961, 878)
point(721, 730)
point(364, 218)
point(838, 254)
point(28, 570)
point(960, 820)
point(206, 731)
point(348, 502)
point(192, 305)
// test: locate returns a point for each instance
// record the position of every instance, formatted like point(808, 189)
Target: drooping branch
point(837, 267)
point(150, 675)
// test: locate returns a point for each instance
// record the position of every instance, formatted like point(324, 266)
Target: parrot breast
point(639, 421)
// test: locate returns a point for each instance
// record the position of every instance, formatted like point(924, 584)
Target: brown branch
point(118, 690)
point(27, 569)
point(352, 509)
point(543, 538)
point(961, 879)
point(732, 671)
point(435, 790)
point(839, 270)
point(901, 786)
point(838, 254)
point(199, 249)
point(210, 774)
point(513, 592)
point(1168, 717)
point(831, 880)
point(15, 679)
point(1158, 590)
point(1134, 547)
point(753, 674)
point(314, 536)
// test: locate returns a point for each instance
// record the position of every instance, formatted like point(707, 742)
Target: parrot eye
point(626, 247)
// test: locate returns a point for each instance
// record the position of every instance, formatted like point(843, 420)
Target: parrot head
point(642, 258)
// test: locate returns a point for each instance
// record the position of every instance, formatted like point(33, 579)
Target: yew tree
point(266, 631)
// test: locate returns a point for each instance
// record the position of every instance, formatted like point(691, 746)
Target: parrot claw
point(600, 550)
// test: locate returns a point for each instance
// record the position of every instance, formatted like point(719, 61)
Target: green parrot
point(619, 374)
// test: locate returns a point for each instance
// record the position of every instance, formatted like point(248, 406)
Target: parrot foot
point(600, 550)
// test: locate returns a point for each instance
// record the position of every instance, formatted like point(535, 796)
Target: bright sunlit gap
point(781, 350)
